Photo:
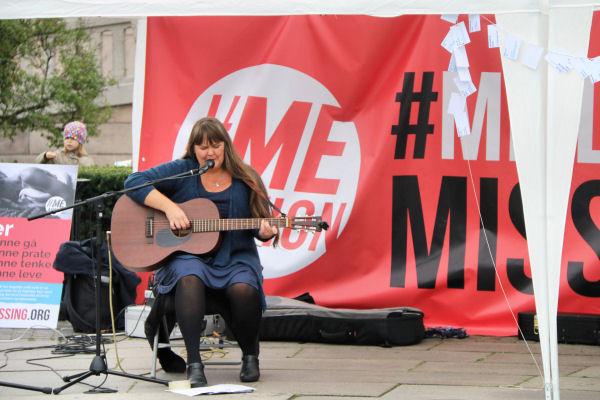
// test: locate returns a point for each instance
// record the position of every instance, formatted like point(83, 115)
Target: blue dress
point(236, 259)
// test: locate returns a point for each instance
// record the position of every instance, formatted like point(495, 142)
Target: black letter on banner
point(404, 128)
point(452, 205)
point(488, 234)
point(515, 267)
point(580, 211)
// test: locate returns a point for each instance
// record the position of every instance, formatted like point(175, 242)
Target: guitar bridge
point(149, 228)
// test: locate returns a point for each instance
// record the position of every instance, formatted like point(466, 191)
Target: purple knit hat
point(75, 130)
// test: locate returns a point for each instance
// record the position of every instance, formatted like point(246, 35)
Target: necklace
point(217, 183)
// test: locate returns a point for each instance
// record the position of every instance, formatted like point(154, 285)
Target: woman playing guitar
point(233, 270)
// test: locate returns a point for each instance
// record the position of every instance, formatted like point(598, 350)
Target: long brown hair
point(213, 131)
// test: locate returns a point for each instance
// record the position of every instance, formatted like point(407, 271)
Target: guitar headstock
point(311, 224)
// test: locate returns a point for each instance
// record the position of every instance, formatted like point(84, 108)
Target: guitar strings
point(308, 224)
point(245, 220)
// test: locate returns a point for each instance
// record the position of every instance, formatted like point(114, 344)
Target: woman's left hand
point(267, 231)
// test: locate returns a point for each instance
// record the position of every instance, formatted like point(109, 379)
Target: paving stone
point(477, 367)
point(586, 372)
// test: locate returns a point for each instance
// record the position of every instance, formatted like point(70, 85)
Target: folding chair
point(204, 346)
point(164, 309)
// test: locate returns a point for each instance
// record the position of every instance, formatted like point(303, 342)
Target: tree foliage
point(49, 75)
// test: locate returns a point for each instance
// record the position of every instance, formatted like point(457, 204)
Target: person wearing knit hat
point(72, 153)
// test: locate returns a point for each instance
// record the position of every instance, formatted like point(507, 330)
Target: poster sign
point(30, 289)
point(394, 130)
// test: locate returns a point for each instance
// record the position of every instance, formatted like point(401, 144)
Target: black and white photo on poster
point(27, 190)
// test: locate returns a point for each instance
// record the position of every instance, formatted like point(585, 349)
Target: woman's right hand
point(177, 218)
point(50, 155)
point(174, 213)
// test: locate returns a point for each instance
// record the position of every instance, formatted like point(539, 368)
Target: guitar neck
point(234, 224)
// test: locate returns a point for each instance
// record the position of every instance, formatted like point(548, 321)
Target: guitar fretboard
point(217, 225)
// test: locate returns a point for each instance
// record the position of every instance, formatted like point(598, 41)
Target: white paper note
point(466, 88)
point(474, 23)
point(460, 57)
point(532, 56)
point(457, 36)
point(493, 36)
point(452, 64)
point(464, 74)
point(457, 106)
point(449, 42)
point(559, 59)
point(452, 18)
point(595, 69)
point(512, 44)
point(582, 65)
point(460, 34)
point(462, 124)
point(457, 103)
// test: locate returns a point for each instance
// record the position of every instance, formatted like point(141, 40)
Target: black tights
point(242, 313)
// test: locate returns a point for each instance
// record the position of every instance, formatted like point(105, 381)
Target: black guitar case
point(294, 320)
point(570, 328)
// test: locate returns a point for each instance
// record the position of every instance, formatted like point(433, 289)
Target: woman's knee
point(241, 289)
point(189, 282)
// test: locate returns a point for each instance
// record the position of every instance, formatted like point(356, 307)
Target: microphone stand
point(46, 390)
point(98, 365)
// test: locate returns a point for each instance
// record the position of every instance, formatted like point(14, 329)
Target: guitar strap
point(261, 194)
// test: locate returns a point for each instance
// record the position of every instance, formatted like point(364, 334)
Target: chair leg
point(154, 355)
point(158, 327)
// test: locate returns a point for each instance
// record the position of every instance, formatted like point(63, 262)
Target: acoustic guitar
point(141, 237)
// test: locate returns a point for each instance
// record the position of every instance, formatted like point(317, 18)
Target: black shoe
point(195, 374)
point(170, 361)
point(250, 371)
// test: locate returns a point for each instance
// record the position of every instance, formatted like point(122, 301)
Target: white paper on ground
point(215, 389)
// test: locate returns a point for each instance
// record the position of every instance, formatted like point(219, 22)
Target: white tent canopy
point(544, 105)
point(387, 8)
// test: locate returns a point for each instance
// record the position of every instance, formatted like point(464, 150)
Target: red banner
point(346, 117)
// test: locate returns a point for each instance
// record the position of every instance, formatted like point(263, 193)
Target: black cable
point(74, 345)
point(14, 349)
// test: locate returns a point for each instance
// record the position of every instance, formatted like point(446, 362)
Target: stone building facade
point(115, 40)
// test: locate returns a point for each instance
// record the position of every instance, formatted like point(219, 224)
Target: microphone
point(207, 165)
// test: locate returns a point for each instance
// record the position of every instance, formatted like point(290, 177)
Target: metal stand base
point(97, 367)
point(46, 390)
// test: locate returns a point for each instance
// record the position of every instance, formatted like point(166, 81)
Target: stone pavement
point(477, 367)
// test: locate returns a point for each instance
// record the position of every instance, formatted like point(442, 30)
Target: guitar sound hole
point(181, 232)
